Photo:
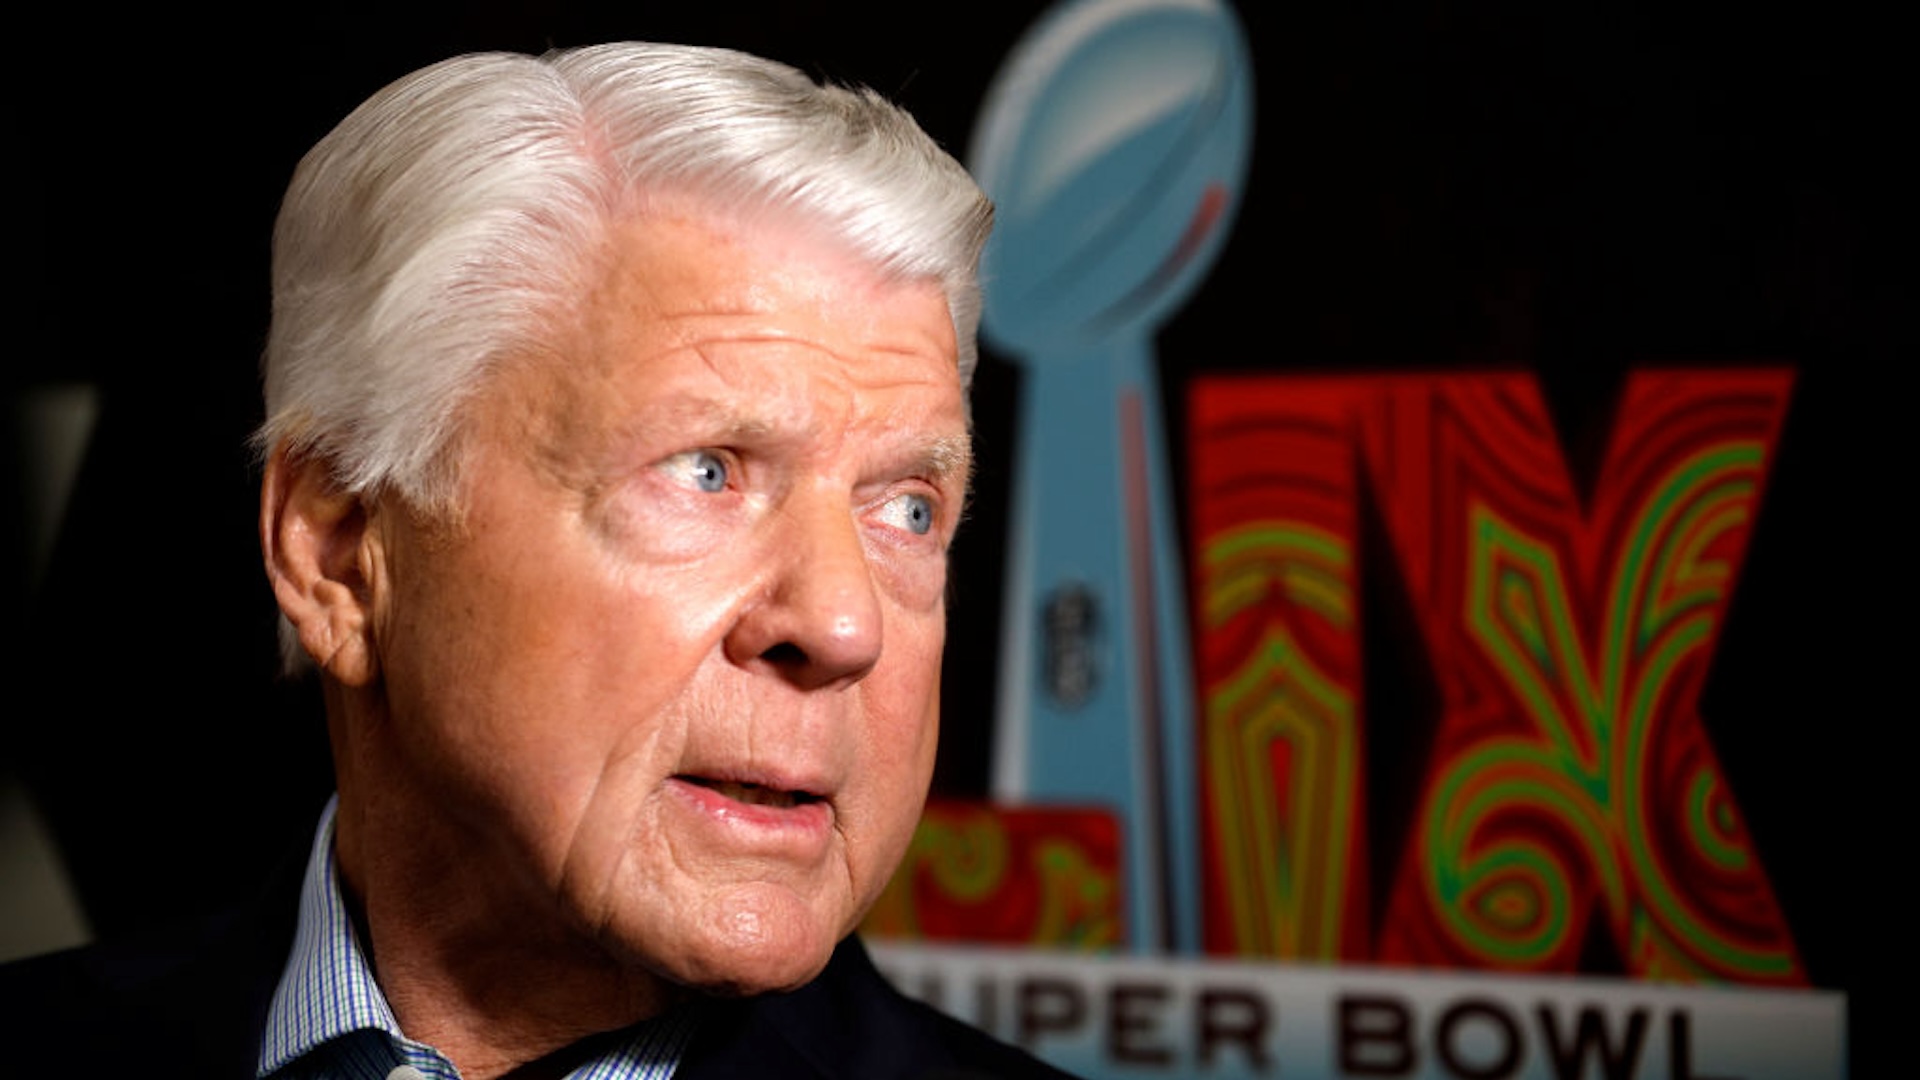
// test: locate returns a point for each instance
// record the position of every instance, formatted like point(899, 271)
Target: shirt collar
point(327, 994)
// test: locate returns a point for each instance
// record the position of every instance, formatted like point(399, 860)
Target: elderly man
point(616, 436)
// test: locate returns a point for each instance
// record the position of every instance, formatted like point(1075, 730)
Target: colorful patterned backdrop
point(1573, 812)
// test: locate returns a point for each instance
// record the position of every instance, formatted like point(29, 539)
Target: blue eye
point(703, 469)
point(913, 513)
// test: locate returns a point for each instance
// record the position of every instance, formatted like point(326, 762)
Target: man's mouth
point(754, 794)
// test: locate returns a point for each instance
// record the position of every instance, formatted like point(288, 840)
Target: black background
point(1568, 189)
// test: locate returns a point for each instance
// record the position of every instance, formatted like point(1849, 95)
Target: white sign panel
point(1126, 1018)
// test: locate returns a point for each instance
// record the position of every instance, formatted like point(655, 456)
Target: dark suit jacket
point(193, 1004)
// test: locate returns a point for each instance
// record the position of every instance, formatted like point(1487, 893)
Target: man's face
point(672, 681)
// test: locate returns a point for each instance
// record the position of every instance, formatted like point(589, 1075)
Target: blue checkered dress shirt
point(329, 1021)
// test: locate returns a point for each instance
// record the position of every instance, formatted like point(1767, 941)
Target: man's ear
point(314, 536)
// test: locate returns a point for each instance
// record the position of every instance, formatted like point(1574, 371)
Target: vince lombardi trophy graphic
point(1114, 143)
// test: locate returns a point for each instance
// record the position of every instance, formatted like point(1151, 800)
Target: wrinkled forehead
point(690, 303)
point(683, 258)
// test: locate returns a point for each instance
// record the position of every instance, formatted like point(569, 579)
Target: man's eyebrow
point(712, 418)
point(948, 457)
point(721, 423)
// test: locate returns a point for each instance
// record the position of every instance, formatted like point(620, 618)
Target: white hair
point(453, 220)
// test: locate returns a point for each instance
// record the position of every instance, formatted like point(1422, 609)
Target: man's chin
point(746, 977)
point(741, 949)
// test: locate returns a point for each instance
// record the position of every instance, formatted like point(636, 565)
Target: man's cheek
point(911, 576)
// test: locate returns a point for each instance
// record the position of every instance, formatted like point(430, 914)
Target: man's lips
point(785, 821)
point(754, 794)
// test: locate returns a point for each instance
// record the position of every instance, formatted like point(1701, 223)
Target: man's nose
point(818, 622)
